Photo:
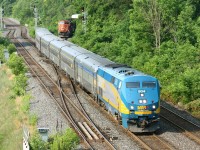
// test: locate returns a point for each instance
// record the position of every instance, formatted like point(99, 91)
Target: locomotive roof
point(121, 71)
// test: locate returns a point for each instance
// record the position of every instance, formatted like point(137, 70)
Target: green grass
point(33, 119)
point(10, 127)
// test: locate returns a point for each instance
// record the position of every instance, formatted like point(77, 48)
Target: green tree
point(23, 12)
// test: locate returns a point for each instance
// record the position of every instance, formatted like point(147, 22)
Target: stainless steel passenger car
point(68, 54)
point(86, 66)
point(45, 44)
point(40, 33)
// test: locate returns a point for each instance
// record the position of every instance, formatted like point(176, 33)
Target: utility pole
point(35, 15)
point(84, 19)
point(1, 16)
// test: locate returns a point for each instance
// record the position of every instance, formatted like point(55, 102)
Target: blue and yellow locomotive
point(127, 93)
point(130, 95)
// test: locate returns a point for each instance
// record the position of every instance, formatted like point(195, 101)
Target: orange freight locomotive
point(66, 28)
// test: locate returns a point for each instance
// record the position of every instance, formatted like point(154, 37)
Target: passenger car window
point(149, 84)
point(132, 84)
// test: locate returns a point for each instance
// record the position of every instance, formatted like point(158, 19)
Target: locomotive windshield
point(149, 84)
point(132, 84)
point(61, 22)
point(64, 22)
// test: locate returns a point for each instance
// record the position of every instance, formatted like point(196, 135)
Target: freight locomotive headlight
point(144, 101)
point(154, 107)
point(132, 107)
point(140, 101)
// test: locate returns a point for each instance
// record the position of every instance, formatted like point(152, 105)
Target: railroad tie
point(85, 131)
point(90, 131)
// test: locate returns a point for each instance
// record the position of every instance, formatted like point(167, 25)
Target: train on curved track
point(128, 94)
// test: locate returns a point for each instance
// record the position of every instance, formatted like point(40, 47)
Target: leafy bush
point(16, 64)
point(4, 41)
point(32, 32)
point(2, 58)
point(36, 142)
point(11, 48)
point(20, 84)
point(194, 107)
point(60, 141)
point(65, 141)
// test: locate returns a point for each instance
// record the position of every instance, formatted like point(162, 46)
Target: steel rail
point(180, 116)
point(185, 131)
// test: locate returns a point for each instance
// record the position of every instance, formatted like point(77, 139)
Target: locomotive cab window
point(61, 22)
point(116, 82)
point(112, 79)
point(132, 84)
point(120, 84)
point(150, 84)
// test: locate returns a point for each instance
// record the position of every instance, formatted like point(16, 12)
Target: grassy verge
point(10, 125)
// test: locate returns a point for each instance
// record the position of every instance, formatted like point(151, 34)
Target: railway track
point(60, 98)
point(158, 143)
point(145, 140)
point(188, 128)
point(71, 103)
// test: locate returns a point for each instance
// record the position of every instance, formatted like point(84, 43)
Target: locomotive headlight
point(144, 101)
point(142, 94)
point(140, 101)
point(132, 107)
point(154, 107)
